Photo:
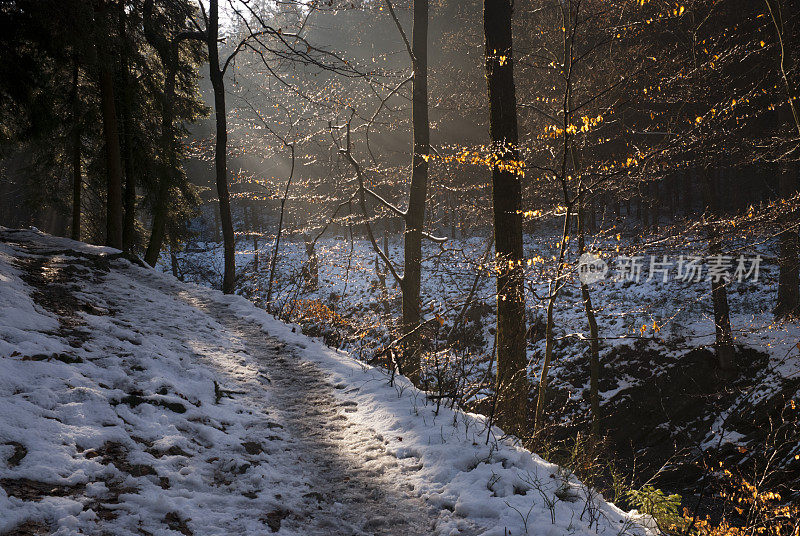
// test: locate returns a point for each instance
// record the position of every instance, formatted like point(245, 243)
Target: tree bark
point(221, 148)
point(512, 373)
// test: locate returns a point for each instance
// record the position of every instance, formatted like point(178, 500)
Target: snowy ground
point(671, 318)
point(662, 399)
point(131, 403)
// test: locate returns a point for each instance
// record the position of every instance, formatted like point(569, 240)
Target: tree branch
point(402, 34)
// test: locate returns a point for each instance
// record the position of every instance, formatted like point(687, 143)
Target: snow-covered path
point(353, 485)
point(133, 404)
point(335, 476)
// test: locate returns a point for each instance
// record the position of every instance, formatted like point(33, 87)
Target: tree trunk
point(594, 341)
point(788, 293)
point(129, 220)
point(311, 270)
point(788, 303)
point(220, 154)
point(255, 252)
point(176, 272)
point(719, 296)
point(383, 271)
point(77, 183)
point(168, 163)
point(274, 261)
point(722, 321)
point(217, 226)
point(555, 283)
point(639, 210)
point(541, 399)
point(512, 362)
point(113, 159)
point(174, 263)
point(415, 216)
point(160, 215)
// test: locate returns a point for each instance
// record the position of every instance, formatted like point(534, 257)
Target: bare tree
point(512, 362)
point(414, 215)
point(217, 75)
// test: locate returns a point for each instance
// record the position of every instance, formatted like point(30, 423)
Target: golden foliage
point(758, 512)
point(316, 311)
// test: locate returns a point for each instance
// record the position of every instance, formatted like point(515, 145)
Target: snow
point(680, 310)
point(183, 410)
point(19, 315)
point(459, 469)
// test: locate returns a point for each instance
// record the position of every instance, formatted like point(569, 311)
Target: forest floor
point(131, 403)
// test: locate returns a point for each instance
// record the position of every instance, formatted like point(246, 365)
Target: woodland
point(573, 220)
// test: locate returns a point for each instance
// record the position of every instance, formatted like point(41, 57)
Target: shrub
point(665, 509)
